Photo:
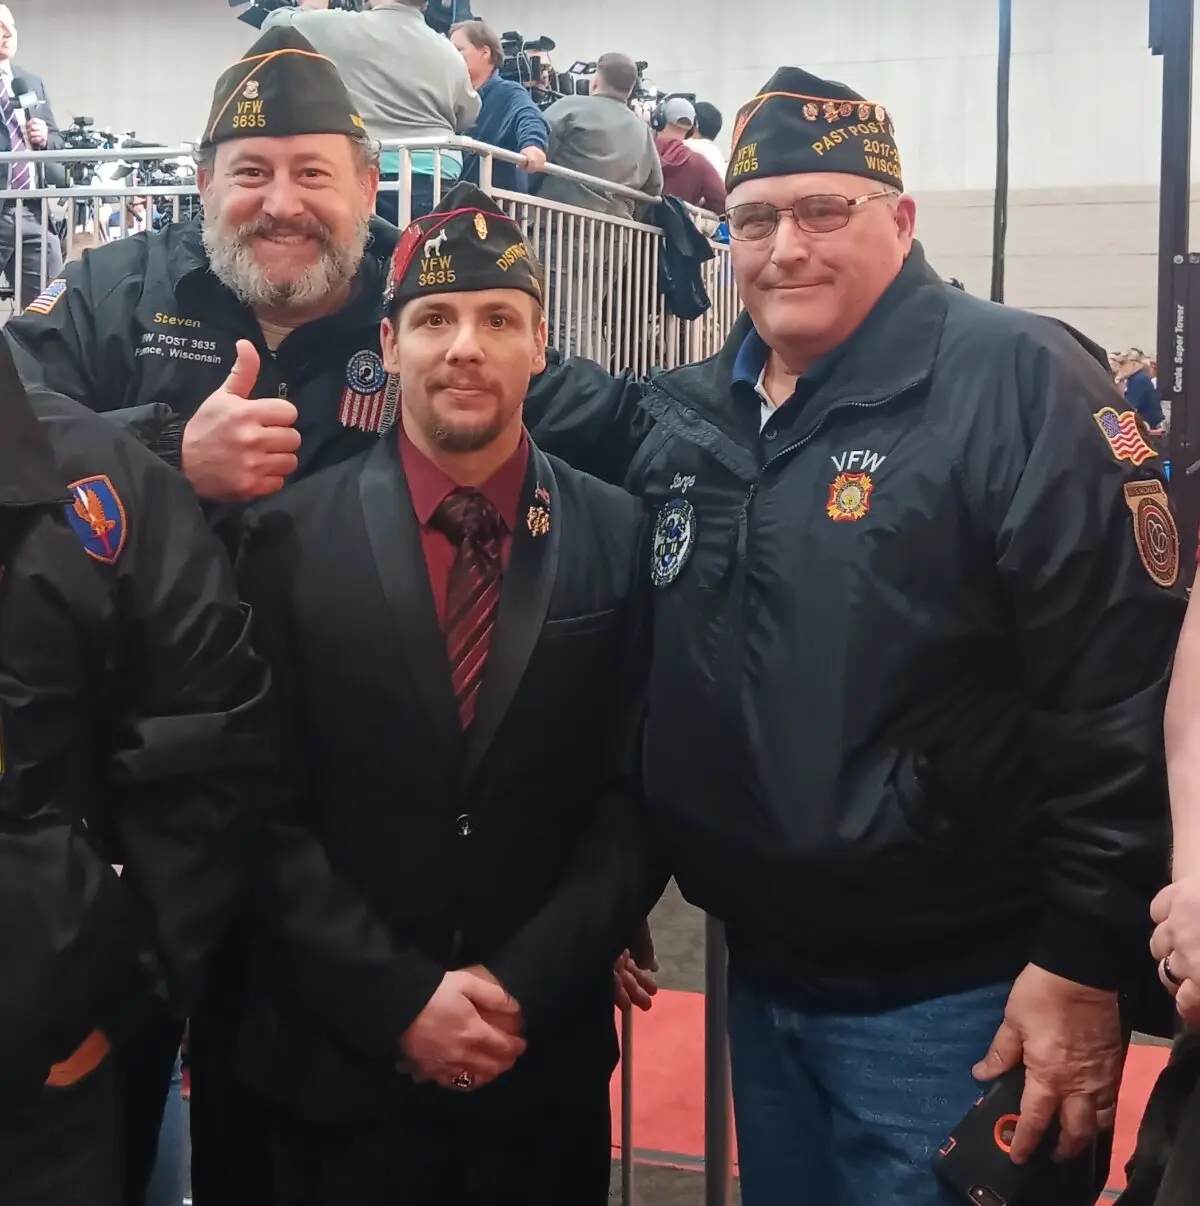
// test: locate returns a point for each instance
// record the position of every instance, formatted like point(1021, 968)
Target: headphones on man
point(658, 117)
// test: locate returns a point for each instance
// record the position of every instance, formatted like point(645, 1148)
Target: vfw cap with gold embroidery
point(466, 245)
point(282, 87)
point(800, 123)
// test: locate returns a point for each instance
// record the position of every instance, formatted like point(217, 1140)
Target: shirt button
point(770, 434)
point(463, 825)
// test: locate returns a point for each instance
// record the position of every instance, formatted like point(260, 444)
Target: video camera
point(577, 81)
point(260, 10)
point(440, 15)
point(528, 63)
point(82, 135)
point(155, 174)
point(647, 95)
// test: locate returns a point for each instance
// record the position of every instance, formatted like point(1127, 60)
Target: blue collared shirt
point(749, 369)
point(749, 373)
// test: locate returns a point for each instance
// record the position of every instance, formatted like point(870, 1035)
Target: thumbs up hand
point(237, 448)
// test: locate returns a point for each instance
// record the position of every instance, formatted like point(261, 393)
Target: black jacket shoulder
point(86, 444)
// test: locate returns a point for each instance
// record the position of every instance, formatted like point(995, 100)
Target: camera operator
point(405, 80)
point(509, 118)
point(21, 128)
point(601, 136)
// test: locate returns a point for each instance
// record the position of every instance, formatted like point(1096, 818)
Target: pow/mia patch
point(48, 298)
point(849, 497)
point(98, 517)
point(1154, 530)
point(370, 397)
point(365, 372)
point(1123, 435)
point(674, 539)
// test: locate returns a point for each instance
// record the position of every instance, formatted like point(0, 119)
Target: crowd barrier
point(600, 272)
point(600, 277)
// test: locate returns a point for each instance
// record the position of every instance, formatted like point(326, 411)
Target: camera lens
point(986, 1197)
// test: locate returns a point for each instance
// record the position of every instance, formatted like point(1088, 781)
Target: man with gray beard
point(242, 347)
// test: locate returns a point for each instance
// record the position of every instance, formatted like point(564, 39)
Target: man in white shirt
point(405, 80)
point(704, 135)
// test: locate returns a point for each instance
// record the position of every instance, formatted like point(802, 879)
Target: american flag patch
point(1123, 435)
point(374, 412)
point(48, 298)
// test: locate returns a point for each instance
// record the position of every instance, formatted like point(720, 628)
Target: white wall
point(1085, 89)
point(144, 65)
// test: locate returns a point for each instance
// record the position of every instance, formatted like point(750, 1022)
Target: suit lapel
point(524, 602)
point(400, 563)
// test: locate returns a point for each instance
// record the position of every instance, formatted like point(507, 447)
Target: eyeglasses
point(822, 214)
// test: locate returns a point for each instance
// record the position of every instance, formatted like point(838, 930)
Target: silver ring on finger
point(464, 1082)
point(1169, 974)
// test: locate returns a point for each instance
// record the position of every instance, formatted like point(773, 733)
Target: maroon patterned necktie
point(476, 529)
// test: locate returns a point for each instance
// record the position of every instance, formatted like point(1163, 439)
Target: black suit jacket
point(56, 176)
point(519, 846)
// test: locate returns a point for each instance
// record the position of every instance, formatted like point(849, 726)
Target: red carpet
point(668, 1086)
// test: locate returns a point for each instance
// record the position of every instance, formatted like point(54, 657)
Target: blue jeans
point(168, 1183)
point(850, 1110)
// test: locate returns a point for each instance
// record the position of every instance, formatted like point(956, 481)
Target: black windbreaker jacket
point(905, 715)
point(142, 330)
point(134, 730)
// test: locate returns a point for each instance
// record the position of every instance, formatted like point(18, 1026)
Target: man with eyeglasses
point(916, 594)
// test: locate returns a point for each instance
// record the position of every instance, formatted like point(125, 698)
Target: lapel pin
point(538, 518)
point(539, 521)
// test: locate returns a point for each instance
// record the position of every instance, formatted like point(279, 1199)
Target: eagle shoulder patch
point(97, 516)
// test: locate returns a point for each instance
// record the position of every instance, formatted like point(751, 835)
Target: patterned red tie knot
point(467, 517)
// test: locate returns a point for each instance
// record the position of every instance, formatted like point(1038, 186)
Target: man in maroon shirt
point(686, 173)
point(456, 624)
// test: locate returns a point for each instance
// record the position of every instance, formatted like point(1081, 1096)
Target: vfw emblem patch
point(674, 539)
point(849, 497)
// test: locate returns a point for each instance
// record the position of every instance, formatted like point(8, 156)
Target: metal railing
point(600, 271)
point(600, 277)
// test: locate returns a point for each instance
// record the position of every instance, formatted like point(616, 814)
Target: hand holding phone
point(976, 1159)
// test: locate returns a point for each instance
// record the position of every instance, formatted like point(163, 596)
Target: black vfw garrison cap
point(800, 123)
point(466, 245)
point(281, 88)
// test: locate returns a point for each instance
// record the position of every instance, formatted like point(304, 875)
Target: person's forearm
point(1182, 729)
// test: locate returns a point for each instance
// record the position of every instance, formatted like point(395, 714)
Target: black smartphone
point(975, 1159)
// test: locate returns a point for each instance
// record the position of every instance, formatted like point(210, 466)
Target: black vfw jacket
point(905, 712)
point(519, 847)
point(143, 331)
point(133, 731)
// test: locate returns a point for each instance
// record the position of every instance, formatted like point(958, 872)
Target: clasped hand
point(470, 1025)
point(1176, 943)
